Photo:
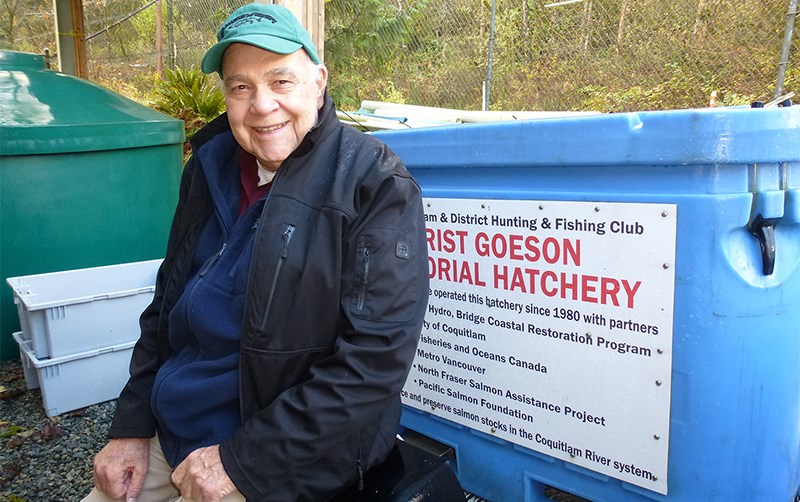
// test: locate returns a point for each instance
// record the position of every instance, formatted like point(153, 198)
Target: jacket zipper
point(254, 228)
point(360, 470)
point(210, 263)
point(362, 293)
point(286, 238)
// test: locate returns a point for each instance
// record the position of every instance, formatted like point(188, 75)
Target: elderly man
point(289, 305)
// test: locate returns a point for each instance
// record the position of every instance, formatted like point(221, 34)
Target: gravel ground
point(44, 459)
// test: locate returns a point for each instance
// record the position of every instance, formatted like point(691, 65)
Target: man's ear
point(321, 79)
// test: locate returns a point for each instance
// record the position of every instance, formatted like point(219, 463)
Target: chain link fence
point(27, 28)
point(125, 52)
point(604, 55)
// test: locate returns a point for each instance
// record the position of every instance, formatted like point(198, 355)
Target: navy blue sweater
point(196, 394)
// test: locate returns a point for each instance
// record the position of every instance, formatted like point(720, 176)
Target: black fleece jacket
point(336, 295)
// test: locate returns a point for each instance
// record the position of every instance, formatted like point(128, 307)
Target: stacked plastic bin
point(78, 329)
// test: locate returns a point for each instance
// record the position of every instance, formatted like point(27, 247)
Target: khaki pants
point(157, 485)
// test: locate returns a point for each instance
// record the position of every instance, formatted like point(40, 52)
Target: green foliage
point(24, 25)
point(145, 25)
point(363, 39)
point(190, 95)
point(130, 39)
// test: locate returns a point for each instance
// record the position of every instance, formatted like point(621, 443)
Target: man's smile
point(270, 128)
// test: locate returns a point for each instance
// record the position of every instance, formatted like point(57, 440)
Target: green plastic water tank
point(87, 177)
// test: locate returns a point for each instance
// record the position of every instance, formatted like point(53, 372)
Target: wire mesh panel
point(27, 26)
point(122, 36)
point(604, 55)
point(421, 52)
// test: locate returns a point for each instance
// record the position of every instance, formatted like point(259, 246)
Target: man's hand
point(120, 467)
point(202, 478)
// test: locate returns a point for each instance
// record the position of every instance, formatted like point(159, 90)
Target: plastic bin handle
point(764, 230)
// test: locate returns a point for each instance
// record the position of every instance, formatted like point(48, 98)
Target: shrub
point(190, 95)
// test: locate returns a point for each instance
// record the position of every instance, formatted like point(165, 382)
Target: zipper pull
point(210, 263)
point(360, 476)
point(362, 293)
point(366, 266)
point(287, 236)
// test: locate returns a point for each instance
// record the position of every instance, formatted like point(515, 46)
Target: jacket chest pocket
point(277, 270)
point(293, 299)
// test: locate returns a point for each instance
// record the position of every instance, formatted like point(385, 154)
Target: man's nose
point(264, 101)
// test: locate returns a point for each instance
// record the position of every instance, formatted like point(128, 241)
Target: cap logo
point(249, 18)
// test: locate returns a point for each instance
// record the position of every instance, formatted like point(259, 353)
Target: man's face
point(272, 100)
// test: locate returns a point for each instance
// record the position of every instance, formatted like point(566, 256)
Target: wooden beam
point(311, 14)
point(71, 37)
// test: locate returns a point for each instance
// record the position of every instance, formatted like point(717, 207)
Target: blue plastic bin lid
point(665, 138)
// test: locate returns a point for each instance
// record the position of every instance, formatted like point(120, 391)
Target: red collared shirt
point(251, 192)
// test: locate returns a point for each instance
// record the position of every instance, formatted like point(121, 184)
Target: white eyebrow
point(275, 72)
point(284, 70)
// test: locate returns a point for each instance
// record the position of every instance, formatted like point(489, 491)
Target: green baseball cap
point(270, 27)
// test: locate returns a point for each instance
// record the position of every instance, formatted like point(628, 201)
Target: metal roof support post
point(787, 44)
point(171, 34)
point(487, 85)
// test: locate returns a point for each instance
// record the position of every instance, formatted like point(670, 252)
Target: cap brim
point(212, 61)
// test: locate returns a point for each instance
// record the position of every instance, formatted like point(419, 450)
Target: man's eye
point(237, 89)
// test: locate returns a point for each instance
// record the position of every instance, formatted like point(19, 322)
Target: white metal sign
point(549, 325)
